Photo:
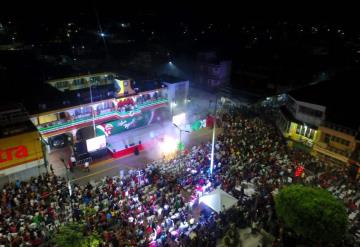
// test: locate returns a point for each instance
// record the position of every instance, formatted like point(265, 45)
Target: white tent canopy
point(218, 200)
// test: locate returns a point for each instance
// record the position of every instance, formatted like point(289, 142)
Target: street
point(112, 167)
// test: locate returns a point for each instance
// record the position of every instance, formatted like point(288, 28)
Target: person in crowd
point(158, 205)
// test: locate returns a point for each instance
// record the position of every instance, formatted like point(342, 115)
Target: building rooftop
point(170, 79)
point(338, 96)
point(49, 98)
point(16, 129)
point(14, 120)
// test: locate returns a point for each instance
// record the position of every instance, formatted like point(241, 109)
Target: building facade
point(336, 144)
point(212, 72)
point(82, 81)
point(21, 149)
point(317, 120)
point(177, 92)
point(126, 104)
point(299, 121)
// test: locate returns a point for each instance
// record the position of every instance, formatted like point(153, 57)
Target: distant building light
point(102, 34)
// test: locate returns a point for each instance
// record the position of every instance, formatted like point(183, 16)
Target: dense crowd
point(158, 205)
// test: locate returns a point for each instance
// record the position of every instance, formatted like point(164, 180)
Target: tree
point(72, 235)
point(312, 213)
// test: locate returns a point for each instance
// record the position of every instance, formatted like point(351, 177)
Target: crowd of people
point(159, 205)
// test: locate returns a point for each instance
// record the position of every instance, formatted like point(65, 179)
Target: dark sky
point(195, 11)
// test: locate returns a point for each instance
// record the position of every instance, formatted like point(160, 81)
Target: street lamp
point(180, 146)
point(213, 139)
point(92, 111)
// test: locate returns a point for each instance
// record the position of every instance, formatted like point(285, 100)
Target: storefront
point(20, 152)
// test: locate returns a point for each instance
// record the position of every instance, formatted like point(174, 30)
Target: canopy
point(218, 200)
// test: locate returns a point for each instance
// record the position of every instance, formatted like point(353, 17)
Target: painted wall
point(20, 149)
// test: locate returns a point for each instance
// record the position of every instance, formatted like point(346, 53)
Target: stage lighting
point(168, 145)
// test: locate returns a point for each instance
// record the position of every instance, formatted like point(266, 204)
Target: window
point(298, 128)
point(327, 138)
point(302, 131)
point(77, 82)
point(340, 140)
point(61, 84)
point(309, 111)
point(287, 126)
point(312, 132)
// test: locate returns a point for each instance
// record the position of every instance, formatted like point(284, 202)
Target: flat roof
point(81, 75)
point(16, 129)
point(170, 79)
point(339, 98)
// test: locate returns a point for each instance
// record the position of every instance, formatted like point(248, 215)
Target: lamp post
point(180, 131)
point(213, 140)
point(92, 111)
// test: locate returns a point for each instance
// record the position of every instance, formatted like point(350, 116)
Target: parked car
point(58, 142)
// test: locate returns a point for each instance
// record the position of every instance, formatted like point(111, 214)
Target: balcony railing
point(70, 123)
point(327, 147)
point(62, 124)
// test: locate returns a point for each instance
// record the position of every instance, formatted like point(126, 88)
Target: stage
point(123, 144)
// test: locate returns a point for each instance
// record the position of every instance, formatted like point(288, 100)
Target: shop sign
point(13, 152)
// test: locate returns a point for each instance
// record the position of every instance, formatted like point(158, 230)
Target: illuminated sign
point(120, 87)
point(9, 153)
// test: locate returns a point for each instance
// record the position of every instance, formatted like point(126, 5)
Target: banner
point(119, 126)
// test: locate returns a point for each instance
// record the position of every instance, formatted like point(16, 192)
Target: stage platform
point(124, 144)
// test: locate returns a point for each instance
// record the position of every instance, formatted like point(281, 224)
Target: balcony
point(328, 150)
point(59, 125)
point(104, 114)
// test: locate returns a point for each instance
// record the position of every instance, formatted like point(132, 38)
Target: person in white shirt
point(86, 165)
